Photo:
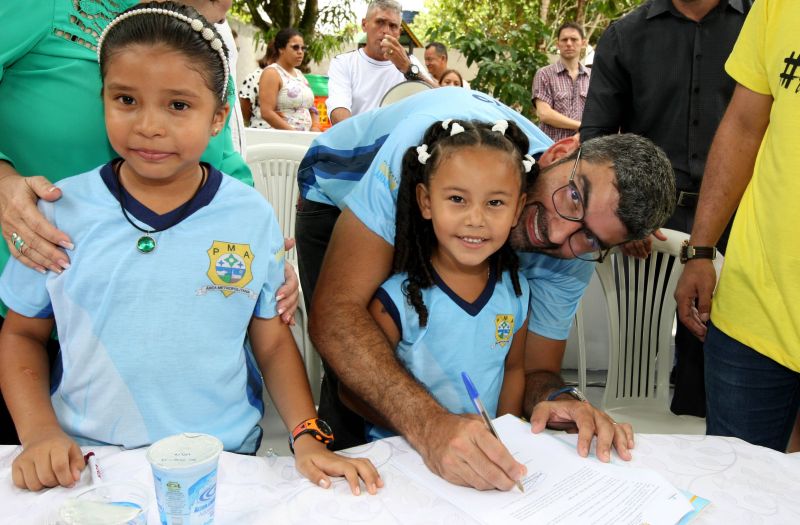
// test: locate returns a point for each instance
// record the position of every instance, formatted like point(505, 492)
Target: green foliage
point(324, 29)
point(508, 39)
point(501, 38)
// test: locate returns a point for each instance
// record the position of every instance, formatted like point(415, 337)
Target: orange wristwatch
point(316, 427)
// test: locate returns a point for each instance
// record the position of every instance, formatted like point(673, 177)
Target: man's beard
point(533, 217)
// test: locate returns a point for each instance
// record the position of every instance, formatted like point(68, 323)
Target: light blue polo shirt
point(155, 344)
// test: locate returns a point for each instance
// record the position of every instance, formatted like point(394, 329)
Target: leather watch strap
point(689, 252)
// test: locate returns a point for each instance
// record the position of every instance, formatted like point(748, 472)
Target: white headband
point(195, 23)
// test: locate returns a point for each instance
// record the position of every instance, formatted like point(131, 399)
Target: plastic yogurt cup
point(185, 475)
point(107, 504)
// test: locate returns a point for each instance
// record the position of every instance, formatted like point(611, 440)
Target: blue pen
point(476, 401)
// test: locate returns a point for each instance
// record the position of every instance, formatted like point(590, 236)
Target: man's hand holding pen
point(460, 449)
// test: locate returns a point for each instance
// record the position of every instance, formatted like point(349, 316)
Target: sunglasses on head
point(298, 47)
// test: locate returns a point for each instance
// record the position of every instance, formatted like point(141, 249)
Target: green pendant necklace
point(147, 243)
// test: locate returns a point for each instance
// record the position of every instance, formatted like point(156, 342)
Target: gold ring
point(390, 51)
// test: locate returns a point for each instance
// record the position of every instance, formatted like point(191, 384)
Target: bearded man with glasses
point(579, 204)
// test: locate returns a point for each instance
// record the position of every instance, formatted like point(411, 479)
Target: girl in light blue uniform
point(455, 302)
point(166, 318)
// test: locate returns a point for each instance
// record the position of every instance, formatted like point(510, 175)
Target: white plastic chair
point(579, 329)
point(255, 136)
point(274, 168)
point(641, 312)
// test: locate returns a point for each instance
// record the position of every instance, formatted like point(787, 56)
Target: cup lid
point(184, 450)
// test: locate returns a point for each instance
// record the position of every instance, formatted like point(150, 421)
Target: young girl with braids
point(167, 317)
point(455, 302)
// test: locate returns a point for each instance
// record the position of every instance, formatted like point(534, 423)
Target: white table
point(746, 484)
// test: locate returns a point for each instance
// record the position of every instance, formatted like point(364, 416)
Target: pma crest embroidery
point(503, 329)
point(229, 269)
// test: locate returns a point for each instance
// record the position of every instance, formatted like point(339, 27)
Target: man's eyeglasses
point(568, 203)
point(298, 47)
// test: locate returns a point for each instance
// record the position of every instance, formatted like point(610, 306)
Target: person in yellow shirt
point(752, 344)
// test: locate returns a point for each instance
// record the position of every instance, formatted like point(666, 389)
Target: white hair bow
point(455, 129)
point(422, 154)
point(500, 126)
point(528, 162)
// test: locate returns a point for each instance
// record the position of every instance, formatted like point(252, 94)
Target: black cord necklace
point(146, 243)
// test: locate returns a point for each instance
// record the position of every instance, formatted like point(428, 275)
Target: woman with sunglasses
point(285, 100)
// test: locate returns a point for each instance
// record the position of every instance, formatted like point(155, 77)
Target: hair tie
point(446, 123)
point(456, 128)
point(500, 126)
point(422, 154)
point(528, 162)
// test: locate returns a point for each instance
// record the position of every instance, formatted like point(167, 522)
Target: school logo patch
point(229, 268)
point(503, 328)
point(391, 180)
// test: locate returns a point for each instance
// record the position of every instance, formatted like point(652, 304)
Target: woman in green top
point(51, 115)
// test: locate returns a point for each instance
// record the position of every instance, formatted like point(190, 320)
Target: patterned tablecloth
point(745, 484)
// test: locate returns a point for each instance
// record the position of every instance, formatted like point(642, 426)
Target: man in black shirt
point(659, 72)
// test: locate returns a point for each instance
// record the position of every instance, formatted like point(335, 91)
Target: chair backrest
point(641, 313)
point(254, 136)
point(274, 168)
point(403, 90)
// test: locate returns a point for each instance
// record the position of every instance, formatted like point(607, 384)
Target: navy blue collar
point(475, 307)
point(144, 214)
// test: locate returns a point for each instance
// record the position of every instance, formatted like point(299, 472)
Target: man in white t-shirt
point(357, 81)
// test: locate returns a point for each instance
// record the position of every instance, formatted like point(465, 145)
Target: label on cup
point(185, 474)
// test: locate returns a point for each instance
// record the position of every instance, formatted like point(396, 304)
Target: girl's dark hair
point(160, 29)
point(283, 37)
point(414, 236)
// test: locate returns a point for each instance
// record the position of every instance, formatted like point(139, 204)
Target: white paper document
point(561, 487)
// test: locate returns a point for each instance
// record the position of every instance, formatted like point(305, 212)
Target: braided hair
point(415, 239)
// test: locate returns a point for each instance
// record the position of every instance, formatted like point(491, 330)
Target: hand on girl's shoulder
point(314, 461)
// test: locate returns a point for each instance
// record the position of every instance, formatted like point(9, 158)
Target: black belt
point(687, 199)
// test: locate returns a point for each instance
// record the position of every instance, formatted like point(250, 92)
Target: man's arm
point(728, 172)
point(340, 90)
point(340, 114)
point(543, 358)
point(553, 118)
point(459, 449)
point(609, 93)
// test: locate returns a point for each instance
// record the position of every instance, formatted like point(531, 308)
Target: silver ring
point(18, 242)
